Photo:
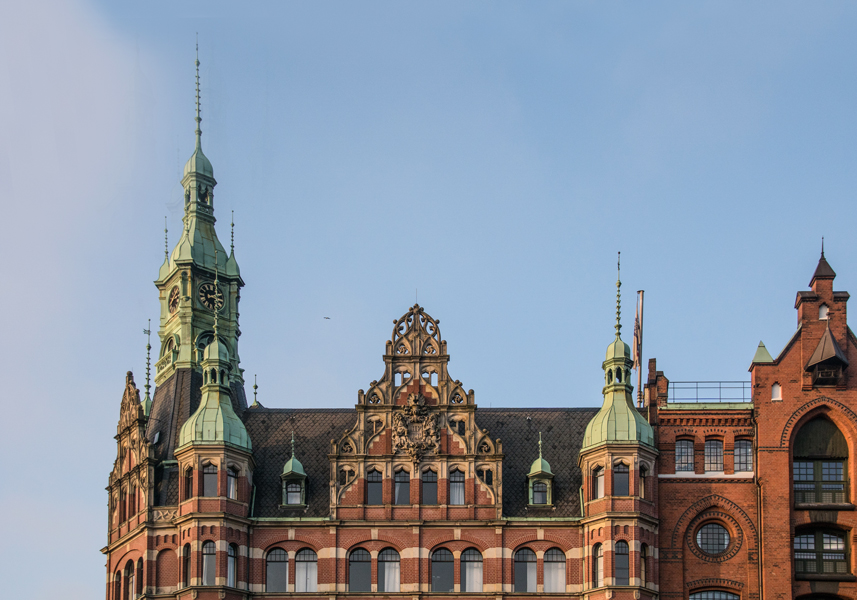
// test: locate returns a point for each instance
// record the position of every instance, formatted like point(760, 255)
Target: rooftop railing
point(710, 391)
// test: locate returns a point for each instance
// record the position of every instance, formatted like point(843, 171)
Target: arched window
point(598, 565)
point(555, 571)
point(402, 490)
point(374, 487)
point(188, 483)
point(130, 582)
point(231, 566)
point(621, 485)
point(822, 312)
point(525, 570)
point(388, 571)
point(442, 568)
point(277, 571)
point(820, 464)
point(209, 481)
point(644, 480)
point(293, 492)
point(713, 456)
point(820, 551)
point(598, 488)
point(684, 455)
point(185, 574)
point(132, 501)
point(471, 570)
point(456, 487)
point(209, 563)
point(713, 595)
point(232, 483)
point(644, 565)
point(117, 586)
point(306, 571)
point(743, 455)
point(123, 506)
point(623, 571)
point(359, 571)
point(138, 584)
point(429, 487)
point(776, 392)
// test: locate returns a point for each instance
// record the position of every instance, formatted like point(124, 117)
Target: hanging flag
point(637, 345)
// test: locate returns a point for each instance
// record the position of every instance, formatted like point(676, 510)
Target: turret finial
point(618, 294)
point(198, 118)
point(147, 402)
point(293, 444)
point(232, 225)
point(216, 291)
point(822, 246)
point(166, 240)
point(255, 387)
point(540, 444)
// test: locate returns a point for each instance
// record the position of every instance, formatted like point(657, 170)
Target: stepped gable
point(271, 432)
point(562, 431)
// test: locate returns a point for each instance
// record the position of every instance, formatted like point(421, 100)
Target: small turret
point(618, 421)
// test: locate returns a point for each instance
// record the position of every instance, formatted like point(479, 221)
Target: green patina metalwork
point(762, 355)
point(540, 472)
point(618, 421)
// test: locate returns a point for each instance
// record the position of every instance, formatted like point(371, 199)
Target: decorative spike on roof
point(823, 270)
point(762, 355)
point(293, 466)
point(540, 465)
point(198, 163)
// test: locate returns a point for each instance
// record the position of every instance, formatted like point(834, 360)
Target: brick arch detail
point(796, 416)
point(713, 501)
point(727, 583)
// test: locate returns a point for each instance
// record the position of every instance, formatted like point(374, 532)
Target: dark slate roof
point(823, 270)
point(562, 432)
point(174, 401)
point(270, 431)
point(562, 437)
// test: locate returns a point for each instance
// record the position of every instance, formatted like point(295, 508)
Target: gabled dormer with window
point(294, 482)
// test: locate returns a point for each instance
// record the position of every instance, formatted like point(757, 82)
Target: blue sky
point(493, 155)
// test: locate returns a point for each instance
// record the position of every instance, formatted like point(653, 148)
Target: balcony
point(705, 392)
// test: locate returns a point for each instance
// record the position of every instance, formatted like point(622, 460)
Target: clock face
point(173, 302)
point(210, 296)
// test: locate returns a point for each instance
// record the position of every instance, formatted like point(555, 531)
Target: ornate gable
point(414, 418)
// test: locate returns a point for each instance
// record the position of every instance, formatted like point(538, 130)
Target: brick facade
point(716, 467)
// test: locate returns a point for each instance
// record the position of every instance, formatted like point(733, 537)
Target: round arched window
point(712, 538)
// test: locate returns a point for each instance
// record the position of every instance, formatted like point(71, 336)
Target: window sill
point(820, 506)
point(824, 577)
point(291, 506)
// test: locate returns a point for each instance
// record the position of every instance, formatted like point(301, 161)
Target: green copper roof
point(618, 421)
point(540, 466)
point(214, 422)
point(293, 466)
point(762, 355)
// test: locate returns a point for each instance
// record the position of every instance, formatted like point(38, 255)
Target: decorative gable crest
point(415, 429)
point(131, 409)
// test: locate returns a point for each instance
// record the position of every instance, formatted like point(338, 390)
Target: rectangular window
point(232, 484)
point(456, 488)
point(374, 488)
point(621, 484)
point(743, 455)
point(402, 488)
point(819, 482)
point(713, 455)
point(429, 487)
point(209, 481)
point(820, 552)
point(684, 455)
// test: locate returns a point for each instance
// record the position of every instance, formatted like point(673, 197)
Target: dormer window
point(822, 312)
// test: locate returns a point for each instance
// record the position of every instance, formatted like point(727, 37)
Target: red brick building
point(707, 492)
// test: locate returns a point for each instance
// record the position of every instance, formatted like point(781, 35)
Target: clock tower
point(196, 279)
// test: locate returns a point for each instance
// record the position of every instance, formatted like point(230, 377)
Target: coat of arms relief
point(415, 429)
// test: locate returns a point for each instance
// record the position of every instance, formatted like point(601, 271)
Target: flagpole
point(639, 349)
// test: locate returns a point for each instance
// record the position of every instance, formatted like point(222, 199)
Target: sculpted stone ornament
point(415, 429)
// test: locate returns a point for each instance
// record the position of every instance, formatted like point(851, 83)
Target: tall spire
point(166, 240)
point(255, 387)
point(198, 117)
point(232, 233)
point(216, 292)
point(618, 294)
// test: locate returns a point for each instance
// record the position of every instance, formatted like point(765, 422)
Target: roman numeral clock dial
point(211, 297)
